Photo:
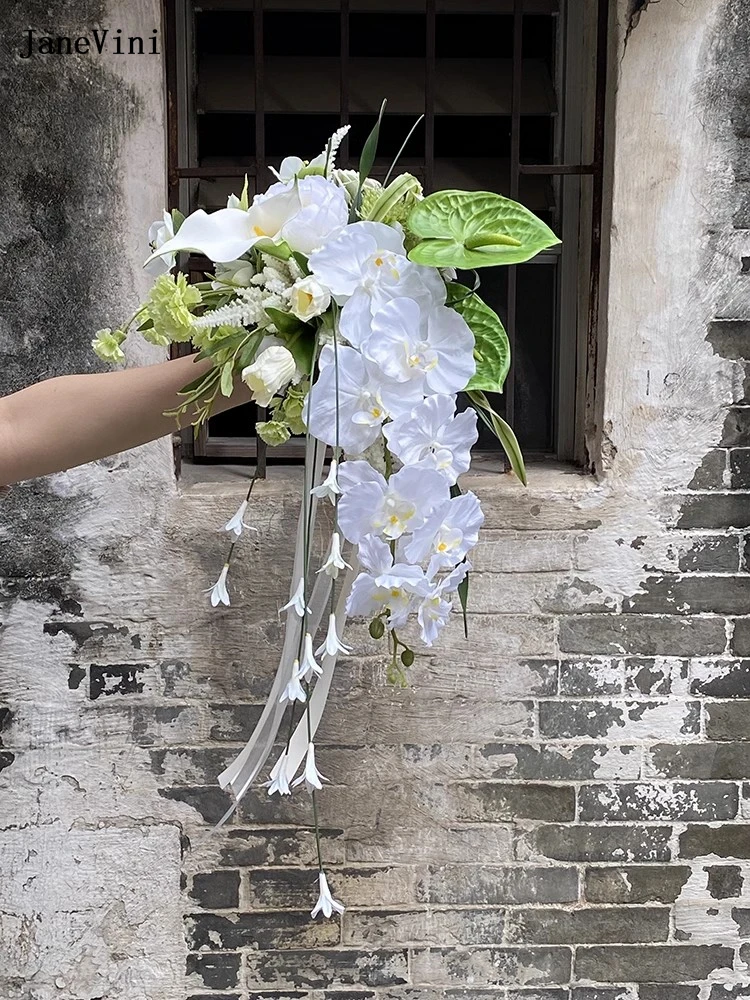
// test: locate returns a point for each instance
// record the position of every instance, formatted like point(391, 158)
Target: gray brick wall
point(556, 810)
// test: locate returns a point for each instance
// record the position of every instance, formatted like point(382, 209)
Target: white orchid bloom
point(363, 254)
point(219, 593)
point(308, 298)
point(309, 667)
point(158, 234)
point(447, 534)
point(436, 350)
point(289, 167)
point(392, 508)
point(271, 372)
point(335, 562)
point(323, 215)
point(294, 690)
point(329, 489)
point(332, 644)
point(433, 435)
point(398, 589)
point(433, 611)
point(311, 776)
point(297, 601)
point(365, 401)
point(326, 904)
point(279, 781)
point(228, 233)
point(236, 523)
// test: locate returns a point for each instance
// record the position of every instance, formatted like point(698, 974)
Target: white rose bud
point(309, 298)
point(271, 372)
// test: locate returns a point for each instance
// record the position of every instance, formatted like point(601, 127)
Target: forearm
point(67, 421)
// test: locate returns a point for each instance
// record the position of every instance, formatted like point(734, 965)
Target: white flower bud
point(309, 298)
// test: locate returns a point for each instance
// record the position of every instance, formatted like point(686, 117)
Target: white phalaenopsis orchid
point(329, 489)
point(294, 690)
point(326, 904)
point(435, 349)
point(385, 584)
point(236, 523)
point(335, 561)
point(279, 781)
point(158, 234)
point(433, 611)
point(219, 593)
point(365, 254)
point(308, 298)
point(393, 507)
point(431, 434)
point(311, 776)
point(309, 667)
point(296, 602)
point(332, 644)
point(271, 372)
point(447, 534)
point(365, 400)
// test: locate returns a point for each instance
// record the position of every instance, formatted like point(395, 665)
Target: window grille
point(513, 94)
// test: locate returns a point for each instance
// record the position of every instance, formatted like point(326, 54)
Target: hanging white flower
point(158, 234)
point(329, 489)
point(448, 534)
point(236, 523)
point(326, 904)
point(219, 593)
point(297, 600)
point(433, 435)
point(433, 611)
point(332, 645)
point(365, 400)
point(309, 666)
point(364, 253)
point(271, 372)
point(436, 350)
point(294, 690)
point(311, 776)
point(393, 507)
point(308, 298)
point(335, 562)
point(279, 782)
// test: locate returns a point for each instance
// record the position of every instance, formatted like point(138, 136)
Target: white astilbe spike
point(334, 143)
point(332, 644)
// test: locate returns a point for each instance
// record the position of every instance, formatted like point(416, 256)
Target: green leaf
point(366, 160)
point(281, 251)
point(227, 379)
point(491, 340)
point(283, 321)
point(463, 596)
point(177, 219)
point(502, 431)
point(301, 261)
point(469, 229)
point(244, 200)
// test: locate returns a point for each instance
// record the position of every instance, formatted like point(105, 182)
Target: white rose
point(323, 215)
point(271, 372)
point(309, 298)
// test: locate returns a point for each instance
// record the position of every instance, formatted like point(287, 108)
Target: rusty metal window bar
point(513, 93)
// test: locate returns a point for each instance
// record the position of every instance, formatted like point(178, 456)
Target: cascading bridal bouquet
point(335, 298)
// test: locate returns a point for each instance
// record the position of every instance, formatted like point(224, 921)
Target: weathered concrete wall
point(555, 811)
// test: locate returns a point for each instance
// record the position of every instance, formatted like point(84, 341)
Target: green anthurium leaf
point(470, 229)
point(284, 322)
point(502, 431)
point(492, 347)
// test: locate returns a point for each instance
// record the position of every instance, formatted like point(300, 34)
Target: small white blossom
point(326, 903)
point(219, 593)
point(329, 489)
point(236, 523)
point(335, 561)
point(279, 779)
point(332, 644)
point(312, 777)
point(297, 600)
point(309, 665)
point(294, 690)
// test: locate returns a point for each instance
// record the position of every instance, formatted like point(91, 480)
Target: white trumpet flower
point(309, 666)
point(219, 593)
point(294, 690)
point(312, 777)
point(332, 644)
point(297, 601)
point(326, 904)
point(271, 372)
point(279, 779)
point(329, 489)
point(236, 523)
point(335, 561)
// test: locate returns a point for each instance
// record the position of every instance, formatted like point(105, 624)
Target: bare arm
point(67, 421)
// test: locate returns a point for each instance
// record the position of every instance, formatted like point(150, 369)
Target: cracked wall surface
point(556, 810)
